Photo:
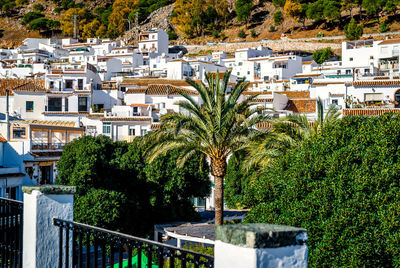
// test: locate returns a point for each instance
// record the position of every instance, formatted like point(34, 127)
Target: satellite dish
point(163, 111)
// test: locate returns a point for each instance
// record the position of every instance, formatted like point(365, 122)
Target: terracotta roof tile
point(21, 84)
point(369, 112)
point(144, 82)
point(376, 83)
point(161, 90)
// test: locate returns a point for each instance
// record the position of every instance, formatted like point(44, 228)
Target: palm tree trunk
point(218, 170)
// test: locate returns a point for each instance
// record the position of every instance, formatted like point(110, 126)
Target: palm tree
point(300, 128)
point(287, 133)
point(222, 125)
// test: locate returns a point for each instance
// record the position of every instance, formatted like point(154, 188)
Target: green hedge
point(343, 186)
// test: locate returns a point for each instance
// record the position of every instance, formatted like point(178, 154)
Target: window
point(19, 133)
point(55, 105)
point(238, 73)
point(240, 63)
point(248, 72)
point(335, 102)
point(135, 110)
point(143, 132)
point(82, 104)
point(351, 59)
point(29, 106)
point(68, 84)
point(366, 71)
point(106, 128)
point(80, 84)
point(371, 57)
point(154, 66)
point(131, 132)
point(348, 71)
point(66, 104)
point(123, 89)
point(51, 84)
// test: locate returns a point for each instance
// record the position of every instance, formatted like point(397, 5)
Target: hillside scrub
point(343, 187)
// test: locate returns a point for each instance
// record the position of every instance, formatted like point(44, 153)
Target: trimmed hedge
point(343, 187)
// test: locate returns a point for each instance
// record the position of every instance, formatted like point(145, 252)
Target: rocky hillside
point(206, 21)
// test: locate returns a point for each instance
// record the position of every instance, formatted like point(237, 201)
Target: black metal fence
point(11, 224)
point(96, 247)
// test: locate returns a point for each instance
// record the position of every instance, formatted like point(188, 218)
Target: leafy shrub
point(172, 35)
point(242, 34)
point(253, 33)
point(38, 7)
point(322, 55)
point(343, 187)
point(278, 18)
point(21, 2)
point(216, 34)
point(384, 27)
point(272, 29)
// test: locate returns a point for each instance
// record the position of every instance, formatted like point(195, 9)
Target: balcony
point(39, 146)
point(8, 170)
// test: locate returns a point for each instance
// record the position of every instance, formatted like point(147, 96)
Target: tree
point(331, 10)
point(187, 16)
point(38, 7)
point(242, 33)
point(279, 3)
point(67, 20)
point(116, 185)
point(40, 24)
point(293, 9)
point(383, 28)
point(90, 29)
point(353, 31)
point(298, 127)
point(119, 15)
point(278, 18)
point(243, 10)
point(322, 55)
point(30, 16)
point(342, 186)
point(221, 126)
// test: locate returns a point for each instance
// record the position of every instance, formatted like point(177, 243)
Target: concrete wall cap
point(50, 189)
point(260, 235)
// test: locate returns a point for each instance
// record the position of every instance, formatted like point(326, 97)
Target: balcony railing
point(104, 247)
point(370, 111)
point(47, 146)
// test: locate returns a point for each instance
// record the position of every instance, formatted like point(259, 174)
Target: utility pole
point(136, 33)
point(8, 114)
point(75, 24)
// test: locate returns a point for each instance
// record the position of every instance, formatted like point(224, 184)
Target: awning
point(373, 97)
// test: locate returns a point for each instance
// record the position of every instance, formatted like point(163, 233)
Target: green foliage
point(322, 55)
point(253, 33)
point(216, 34)
point(236, 181)
point(343, 187)
point(105, 208)
point(7, 5)
point(324, 10)
point(243, 9)
point(172, 35)
point(278, 18)
point(40, 24)
point(279, 3)
point(242, 34)
point(38, 7)
point(30, 16)
point(353, 31)
point(109, 174)
point(272, 29)
point(383, 28)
